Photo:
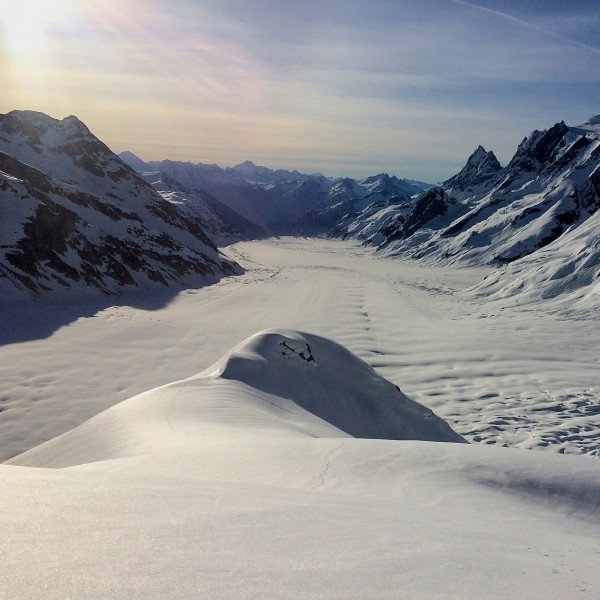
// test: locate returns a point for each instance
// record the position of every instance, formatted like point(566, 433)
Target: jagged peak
point(481, 167)
point(539, 145)
point(375, 178)
point(479, 153)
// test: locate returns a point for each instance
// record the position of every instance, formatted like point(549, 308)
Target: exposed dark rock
point(85, 218)
point(481, 168)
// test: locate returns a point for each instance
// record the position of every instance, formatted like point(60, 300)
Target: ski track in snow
point(498, 373)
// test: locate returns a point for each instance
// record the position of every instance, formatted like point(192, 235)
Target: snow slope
point(215, 487)
point(276, 381)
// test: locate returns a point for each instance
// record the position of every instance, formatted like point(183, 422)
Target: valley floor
point(208, 489)
point(499, 374)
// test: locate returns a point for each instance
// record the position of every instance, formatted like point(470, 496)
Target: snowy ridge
point(489, 215)
point(79, 218)
point(279, 200)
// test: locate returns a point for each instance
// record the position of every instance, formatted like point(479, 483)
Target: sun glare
point(25, 22)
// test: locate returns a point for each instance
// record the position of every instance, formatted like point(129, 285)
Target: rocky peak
point(538, 148)
point(482, 167)
point(477, 156)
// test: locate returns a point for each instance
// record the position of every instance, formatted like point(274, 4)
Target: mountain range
point(140, 467)
point(280, 201)
point(538, 215)
point(77, 215)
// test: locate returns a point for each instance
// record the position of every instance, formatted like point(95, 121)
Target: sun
point(24, 23)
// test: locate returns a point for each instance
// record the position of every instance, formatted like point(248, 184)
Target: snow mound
point(277, 383)
point(329, 381)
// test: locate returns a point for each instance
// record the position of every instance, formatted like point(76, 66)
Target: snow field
point(499, 374)
point(214, 487)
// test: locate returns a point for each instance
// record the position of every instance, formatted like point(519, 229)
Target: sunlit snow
point(217, 477)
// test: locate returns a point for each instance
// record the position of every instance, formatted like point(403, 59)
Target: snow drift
point(277, 382)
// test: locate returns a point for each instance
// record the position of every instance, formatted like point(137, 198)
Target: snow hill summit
point(276, 383)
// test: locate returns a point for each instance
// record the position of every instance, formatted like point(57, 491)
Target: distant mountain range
point(76, 215)
point(280, 201)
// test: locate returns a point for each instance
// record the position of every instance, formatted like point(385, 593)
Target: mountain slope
point(75, 216)
point(549, 187)
point(222, 223)
point(546, 197)
point(274, 200)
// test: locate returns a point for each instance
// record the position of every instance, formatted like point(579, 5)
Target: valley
point(499, 373)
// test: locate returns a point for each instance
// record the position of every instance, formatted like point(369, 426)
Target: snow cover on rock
point(75, 217)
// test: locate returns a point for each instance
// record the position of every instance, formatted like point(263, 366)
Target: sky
point(345, 88)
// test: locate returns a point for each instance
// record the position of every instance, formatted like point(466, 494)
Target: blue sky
point(345, 88)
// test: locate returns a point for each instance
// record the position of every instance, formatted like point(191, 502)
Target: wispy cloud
point(529, 25)
point(414, 84)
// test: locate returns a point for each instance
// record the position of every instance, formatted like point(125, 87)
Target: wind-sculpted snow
point(277, 382)
point(329, 381)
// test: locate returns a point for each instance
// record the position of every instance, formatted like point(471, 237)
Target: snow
point(204, 479)
point(77, 220)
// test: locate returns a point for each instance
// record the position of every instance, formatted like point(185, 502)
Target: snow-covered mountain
point(282, 201)
point(407, 221)
point(74, 215)
point(272, 199)
point(349, 198)
point(223, 224)
point(487, 214)
point(480, 171)
point(551, 185)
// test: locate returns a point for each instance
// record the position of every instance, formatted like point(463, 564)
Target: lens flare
point(24, 24)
